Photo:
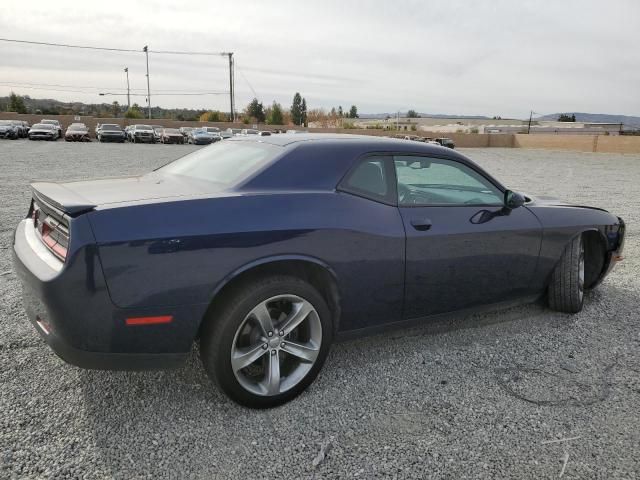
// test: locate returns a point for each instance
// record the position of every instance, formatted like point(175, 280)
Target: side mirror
point(513, 199)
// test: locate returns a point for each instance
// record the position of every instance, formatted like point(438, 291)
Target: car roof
point(320, 160)
point(366, 141)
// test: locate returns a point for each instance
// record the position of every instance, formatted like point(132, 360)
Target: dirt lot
point(487, 396)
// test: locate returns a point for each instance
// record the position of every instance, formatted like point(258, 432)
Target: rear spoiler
point(61, 198)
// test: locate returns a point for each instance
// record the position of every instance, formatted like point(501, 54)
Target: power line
point(48, 44)
point(89, 87)
point(146, 51)
point(255, 95)
point(88, 47)
point(171, 52)
point(160, 92)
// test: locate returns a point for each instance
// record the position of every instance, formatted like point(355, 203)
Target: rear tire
point(234, 328)
point(566, 288)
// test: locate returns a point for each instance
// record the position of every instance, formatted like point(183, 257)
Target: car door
point(464, 248)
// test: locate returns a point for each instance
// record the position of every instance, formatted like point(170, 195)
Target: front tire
point(268, 340)
point(566, 288)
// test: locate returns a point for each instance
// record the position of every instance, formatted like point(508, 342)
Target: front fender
point(562, 224)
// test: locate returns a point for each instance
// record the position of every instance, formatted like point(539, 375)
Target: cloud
point(493, 57)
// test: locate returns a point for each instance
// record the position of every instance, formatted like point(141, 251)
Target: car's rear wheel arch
point(311, 270)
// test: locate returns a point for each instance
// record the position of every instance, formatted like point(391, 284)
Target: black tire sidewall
point(218, 335)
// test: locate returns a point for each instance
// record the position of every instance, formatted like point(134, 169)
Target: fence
point(580, 143)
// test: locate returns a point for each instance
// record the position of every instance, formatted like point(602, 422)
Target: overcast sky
point(460, 57)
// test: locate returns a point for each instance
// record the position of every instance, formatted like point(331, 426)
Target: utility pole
point(231, 93)
point(126, 70)
point(530, 117)
point(146, 52)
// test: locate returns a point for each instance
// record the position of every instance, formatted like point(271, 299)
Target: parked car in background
point(171, 135)
point(249, 131)
point(234, 131)
point(185, 132)
point(95, 130)
point(142, 134)
point(22, 127)
point(111, 132)
point(212, 129)
point(9, 130)
point(26, 128)
point(56, 123)
point(127, 132)
point(200, 136)
point(43, 131)
point(446, 142)
point(224, 135)
point(157, 130)
point(265, 249)
point(77, 132)
point(264, 133)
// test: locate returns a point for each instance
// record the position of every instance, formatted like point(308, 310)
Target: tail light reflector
point(148, 320)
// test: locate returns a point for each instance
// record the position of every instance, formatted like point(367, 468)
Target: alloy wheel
point(276, 345)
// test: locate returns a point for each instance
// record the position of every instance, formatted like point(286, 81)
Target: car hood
point(75, 197)
point(548, 201)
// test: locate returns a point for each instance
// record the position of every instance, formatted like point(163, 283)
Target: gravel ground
point(476, 397)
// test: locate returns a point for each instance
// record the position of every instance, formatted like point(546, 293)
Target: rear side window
point(225, 163)
point(370, 179)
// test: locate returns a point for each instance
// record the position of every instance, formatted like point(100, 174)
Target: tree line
point(298, 114)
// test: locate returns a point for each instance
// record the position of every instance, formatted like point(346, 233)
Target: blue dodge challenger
point(265, 249)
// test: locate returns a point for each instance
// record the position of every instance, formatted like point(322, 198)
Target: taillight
point(53, 233)
point(55, 240)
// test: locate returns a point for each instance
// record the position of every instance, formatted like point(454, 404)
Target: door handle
point(421, 224)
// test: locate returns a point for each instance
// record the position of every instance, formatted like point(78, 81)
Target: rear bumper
point(107, 360)
point(112, 138)
point(41, 137)
point(70, 308)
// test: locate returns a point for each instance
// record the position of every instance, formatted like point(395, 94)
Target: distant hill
point(50, 106)
point(423, 115)
point(597, 117)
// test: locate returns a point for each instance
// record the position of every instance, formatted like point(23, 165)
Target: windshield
point(77, 127)
point(5, 122)
point(171, 130)
point(49, 122)
point(43, 126)
point(109, 127)
point(212, 129)
point(143, 127)
point(226, 163)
